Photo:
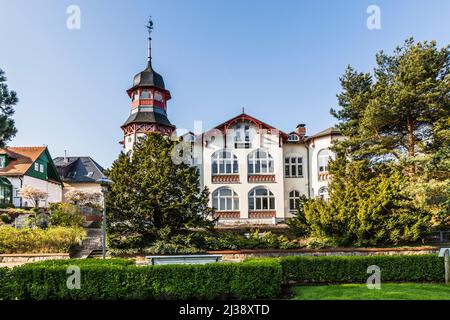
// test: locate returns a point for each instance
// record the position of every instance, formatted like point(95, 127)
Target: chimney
point(65, 156)
point(301, 130)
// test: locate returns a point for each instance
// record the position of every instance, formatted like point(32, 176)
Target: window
point(146, 94)
point(293, 137)
point(17, 192)
point(41, 168)
point(36, 166)
point(260, 162)
point(71, 174)
point(261, 198)
point(323, 159)
point(225, 199)
point(224, 162)
point(135, 96)
point(323, 193)
point(90, 174)
point(158, 96)
point(2, 161)
point(294, 196)
point(242, 136)
point(293, 167)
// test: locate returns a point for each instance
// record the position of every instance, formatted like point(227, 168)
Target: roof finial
point(243, 110)
point(149, 27)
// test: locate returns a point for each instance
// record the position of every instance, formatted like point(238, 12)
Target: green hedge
point(103, 280)
point(353, 269)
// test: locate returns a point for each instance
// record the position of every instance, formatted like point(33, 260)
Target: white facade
point(255, 173)
point(53, 189)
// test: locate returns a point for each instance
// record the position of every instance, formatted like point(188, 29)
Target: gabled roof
point(327, 132)
point(243, 117)
point(21, 159)
point(78, 169)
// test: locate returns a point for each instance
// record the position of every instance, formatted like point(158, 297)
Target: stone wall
point(239, 255)
point(10, 260)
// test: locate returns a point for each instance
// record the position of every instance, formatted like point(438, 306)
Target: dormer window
point(2, 161)
point(293, 137)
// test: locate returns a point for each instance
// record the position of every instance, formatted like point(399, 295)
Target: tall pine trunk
point(410, 128)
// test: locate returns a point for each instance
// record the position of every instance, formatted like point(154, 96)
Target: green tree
point(153, 197)
point(366, 206)
point(298, 224)
point(8, 99)
point(395, 113)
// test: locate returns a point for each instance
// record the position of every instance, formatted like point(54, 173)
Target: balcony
point(262, 214)
point(225, 178)
point(227, 214)
point(255, 178)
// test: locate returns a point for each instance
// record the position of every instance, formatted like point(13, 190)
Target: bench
point(184, 259)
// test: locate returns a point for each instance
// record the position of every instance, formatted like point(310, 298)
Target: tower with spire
point(149, 98)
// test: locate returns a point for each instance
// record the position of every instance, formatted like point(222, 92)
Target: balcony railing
point(261, 178)
point(225, 178)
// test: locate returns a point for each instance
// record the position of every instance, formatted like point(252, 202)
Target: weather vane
point(150, 25)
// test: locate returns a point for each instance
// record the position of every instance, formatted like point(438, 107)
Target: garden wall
point(240, 255)
point(21, 258)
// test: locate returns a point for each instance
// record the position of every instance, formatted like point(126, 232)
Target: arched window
point(293, 137)
point(261, 198)
point(225, 199)
point(224, 162)
point(323, 193)
point(322, 159)
point(294, 196)
point(260, 161)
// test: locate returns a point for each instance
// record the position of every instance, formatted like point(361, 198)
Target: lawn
point(388, 291)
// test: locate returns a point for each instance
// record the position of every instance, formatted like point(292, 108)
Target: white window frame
point(294, 196)
point(323, 193)
point(291, 164)
point(260, 162)
point(323, 159)
point(225, 199)
point(36, 167)
point(224, 162)
point(41, 168)
point(261, 202)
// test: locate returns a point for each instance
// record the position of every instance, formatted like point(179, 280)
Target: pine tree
point(8, 99)
point(152, 197)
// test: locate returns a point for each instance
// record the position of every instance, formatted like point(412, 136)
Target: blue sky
point(281, 60)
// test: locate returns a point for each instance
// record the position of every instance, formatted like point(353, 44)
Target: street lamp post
point(104, 183)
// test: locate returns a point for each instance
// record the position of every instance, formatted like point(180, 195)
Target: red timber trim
point(261, 214)
point(225, 178)
point(134, 128)
point(261, 178)
point(324, 176)
point(227, 214)
point(148, 102)
point(247, 118)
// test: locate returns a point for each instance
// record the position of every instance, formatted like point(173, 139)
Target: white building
point(28, 166)
point(255, 172)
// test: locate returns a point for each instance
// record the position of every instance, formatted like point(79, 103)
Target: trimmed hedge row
point(259, 279)
point(252, 279)
point(353, 269)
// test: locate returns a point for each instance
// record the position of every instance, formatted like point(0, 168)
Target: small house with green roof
point(28, 166)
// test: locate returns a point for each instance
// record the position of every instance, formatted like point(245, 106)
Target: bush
point(5, 218)
point(348, 269)
point(102, 280)
point(65, 215)
point(27, 240)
